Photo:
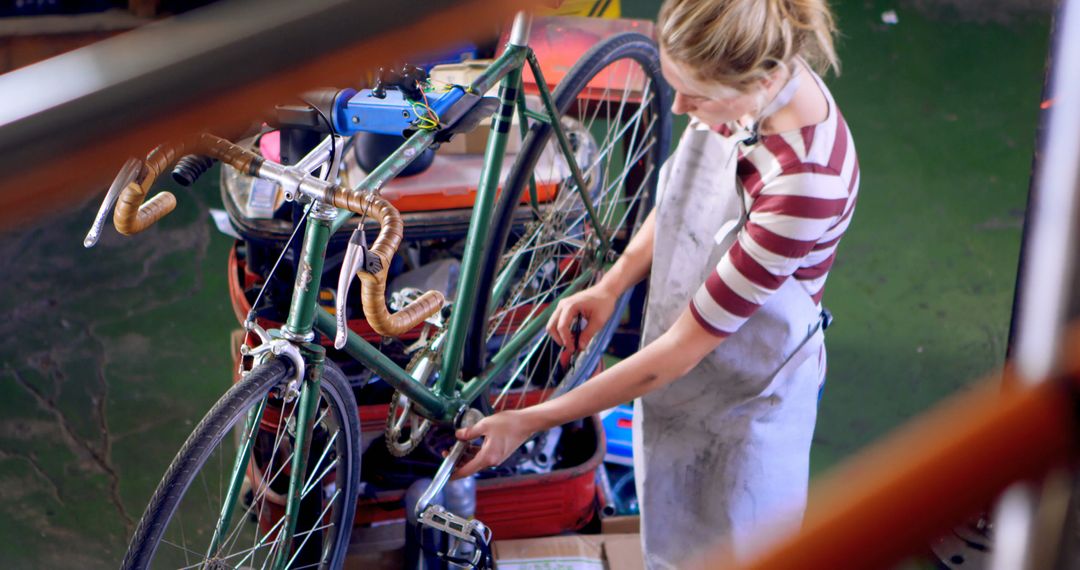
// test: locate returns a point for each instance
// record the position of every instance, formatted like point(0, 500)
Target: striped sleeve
point(784, 225)
point(801, 198)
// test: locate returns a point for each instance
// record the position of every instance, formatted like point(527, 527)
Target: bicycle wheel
point(177, 528)
point(615, 108)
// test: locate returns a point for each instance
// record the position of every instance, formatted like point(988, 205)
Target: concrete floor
point(110, 355)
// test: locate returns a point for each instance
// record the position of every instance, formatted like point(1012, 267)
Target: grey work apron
point(722, 454)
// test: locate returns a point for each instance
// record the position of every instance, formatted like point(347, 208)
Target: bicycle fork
point(307, 408)
point(308, 360)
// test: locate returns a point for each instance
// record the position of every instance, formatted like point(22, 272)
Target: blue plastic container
point(617, 428)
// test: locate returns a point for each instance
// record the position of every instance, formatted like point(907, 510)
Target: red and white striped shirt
point(799, 188)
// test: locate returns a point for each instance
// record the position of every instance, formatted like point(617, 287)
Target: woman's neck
point(808, 106)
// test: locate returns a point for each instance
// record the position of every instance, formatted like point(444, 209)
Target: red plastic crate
point(522, 506)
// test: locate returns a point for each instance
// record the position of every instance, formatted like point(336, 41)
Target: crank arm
point(126, 176)
point(470, 417)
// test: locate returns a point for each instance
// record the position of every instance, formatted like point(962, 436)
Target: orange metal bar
point(82, 174)
point(893, 499)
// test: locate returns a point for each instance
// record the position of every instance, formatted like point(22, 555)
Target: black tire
point(337, 409)
point(625, 51)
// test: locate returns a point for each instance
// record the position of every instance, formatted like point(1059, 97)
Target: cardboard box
point(569, 552)
point(475, 141)
point(618, 547)
point(621, 525)
point(623, 551)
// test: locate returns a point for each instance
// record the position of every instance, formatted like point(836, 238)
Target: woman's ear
point(778, 74)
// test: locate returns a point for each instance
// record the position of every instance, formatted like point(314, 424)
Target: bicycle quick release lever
point(357, 258)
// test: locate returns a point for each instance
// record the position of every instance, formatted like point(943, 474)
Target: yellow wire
point(422, 115)
point(431, 120)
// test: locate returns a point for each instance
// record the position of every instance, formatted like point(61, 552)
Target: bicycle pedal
point(472, 547)
point(461, 528)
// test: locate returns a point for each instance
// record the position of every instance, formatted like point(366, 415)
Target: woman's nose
point(680, 106)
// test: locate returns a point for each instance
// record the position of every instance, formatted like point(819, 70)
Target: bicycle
point(283, 442)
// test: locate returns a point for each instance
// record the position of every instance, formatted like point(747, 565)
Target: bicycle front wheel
point(251, 432)
point(614, 107)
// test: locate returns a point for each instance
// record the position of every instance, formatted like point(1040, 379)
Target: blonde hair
point(739, 42)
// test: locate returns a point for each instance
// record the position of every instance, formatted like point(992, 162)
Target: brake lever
point(356, 259)
point(355, 253)
point(126, 176)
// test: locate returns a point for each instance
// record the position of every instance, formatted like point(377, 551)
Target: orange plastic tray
point(560, 41)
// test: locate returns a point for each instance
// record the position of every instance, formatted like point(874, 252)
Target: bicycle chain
point(416, 434)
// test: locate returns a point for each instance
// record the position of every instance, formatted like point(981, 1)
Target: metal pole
point(1047, 274)
point(519, 33)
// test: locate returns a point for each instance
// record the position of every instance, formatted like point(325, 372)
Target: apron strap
point(825, 319)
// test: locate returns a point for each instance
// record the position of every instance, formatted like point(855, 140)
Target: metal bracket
point(278, 347)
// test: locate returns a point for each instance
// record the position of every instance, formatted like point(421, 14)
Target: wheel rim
point(616, 142)
point(253, 539)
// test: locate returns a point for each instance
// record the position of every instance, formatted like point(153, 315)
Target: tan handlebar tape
point(133, 216)
point(373, 285)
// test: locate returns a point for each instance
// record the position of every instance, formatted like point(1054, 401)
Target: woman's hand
point(503, 433)
point(595, 305)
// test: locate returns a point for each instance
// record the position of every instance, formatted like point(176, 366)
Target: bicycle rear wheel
point(615, 111)
point(178, 527)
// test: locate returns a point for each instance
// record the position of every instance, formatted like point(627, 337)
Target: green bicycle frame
point(447, 397)
point(444, 401)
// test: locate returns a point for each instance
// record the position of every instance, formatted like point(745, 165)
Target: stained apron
point(722, 454)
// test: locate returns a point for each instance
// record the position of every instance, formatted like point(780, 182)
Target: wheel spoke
point(615, 136)
point(254, 544)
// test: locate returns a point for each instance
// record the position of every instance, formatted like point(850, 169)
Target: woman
point(750, 210)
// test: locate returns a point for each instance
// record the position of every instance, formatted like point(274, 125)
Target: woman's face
point(711, 103)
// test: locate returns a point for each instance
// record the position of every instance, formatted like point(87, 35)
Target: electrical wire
point(333, 140)
point(303, 219)
point(431, 121)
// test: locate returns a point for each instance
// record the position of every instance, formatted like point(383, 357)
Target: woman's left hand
point(503, 433)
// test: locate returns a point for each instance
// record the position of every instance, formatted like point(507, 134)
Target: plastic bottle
point(461, 500)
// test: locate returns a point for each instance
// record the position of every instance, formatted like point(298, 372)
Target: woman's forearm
point(634, 263)
point(654, 366)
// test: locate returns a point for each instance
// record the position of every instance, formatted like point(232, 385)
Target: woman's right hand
point(503, 433)
point(595, 305)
